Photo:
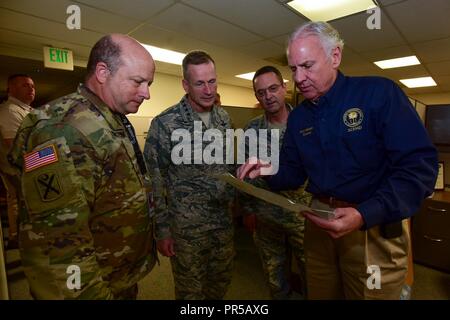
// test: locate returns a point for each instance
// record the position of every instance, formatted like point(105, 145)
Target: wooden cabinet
point(431, 232)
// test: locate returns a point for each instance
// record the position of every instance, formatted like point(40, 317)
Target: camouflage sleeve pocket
point(50, 180)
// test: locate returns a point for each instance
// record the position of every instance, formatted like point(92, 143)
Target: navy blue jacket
point(364, 143)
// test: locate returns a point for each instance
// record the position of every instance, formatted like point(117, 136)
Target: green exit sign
point(58, 58)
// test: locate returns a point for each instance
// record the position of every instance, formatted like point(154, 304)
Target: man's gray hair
point(329, 36)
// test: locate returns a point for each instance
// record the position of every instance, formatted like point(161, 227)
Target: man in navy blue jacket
point(369, 160)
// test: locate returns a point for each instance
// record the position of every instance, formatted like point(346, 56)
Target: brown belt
point(387, 231)
point(334, 203)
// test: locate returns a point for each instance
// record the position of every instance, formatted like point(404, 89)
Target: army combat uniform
point(87, 211)
point(279, 233)
point(191, 205)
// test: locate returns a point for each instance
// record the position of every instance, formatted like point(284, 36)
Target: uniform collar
point(20, 103)
point(112, 118)
point(265, 123)
point(189, 115)
point(335, 90)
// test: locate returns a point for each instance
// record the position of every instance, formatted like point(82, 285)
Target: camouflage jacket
point(266, 211)
point(188, 199)
point(86, 201)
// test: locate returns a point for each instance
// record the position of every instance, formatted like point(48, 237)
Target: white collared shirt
point(12, 113)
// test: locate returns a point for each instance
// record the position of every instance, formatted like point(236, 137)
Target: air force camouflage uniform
point(279, 233)
point(86, 202)
point(192, 206)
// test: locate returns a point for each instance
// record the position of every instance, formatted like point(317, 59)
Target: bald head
point(120, 71)
point(110, 48)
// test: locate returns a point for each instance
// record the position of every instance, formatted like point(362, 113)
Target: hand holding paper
point(273, 198)
point(254, 168)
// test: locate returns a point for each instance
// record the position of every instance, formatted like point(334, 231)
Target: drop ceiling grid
point(186, 20)
point(141, 10)
point(266, 18)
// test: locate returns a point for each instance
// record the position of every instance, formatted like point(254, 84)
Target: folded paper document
point(273, 198)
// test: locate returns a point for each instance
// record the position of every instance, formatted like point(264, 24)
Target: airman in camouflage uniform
point(278, 233)
point(87, 208)
point(193, 221)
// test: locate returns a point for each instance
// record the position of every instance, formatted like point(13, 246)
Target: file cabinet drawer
point(432, 251)
point(431, 232)
point(433, 218)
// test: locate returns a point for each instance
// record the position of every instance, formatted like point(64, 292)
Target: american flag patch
point(40, 158)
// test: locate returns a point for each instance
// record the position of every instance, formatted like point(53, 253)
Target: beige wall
point(433, 98)
point(421, 110)
point(166, 91)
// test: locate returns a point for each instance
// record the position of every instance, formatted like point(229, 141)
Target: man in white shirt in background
point(21, 94)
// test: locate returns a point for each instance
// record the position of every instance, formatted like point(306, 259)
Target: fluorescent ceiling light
point(165, 55)
point(398, 62)
point(326, 10)
point(246, 76)
point(249, 76)
point(419, 82)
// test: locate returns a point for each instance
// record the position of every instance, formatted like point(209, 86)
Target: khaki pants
point(337, 268)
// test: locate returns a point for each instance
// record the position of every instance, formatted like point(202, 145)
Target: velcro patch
point(40, 158)
point(48, 186)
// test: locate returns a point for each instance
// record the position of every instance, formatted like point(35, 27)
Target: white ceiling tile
point(264, 17)
point(264, 49)
point(104, 22)
point(439, 68)
point(282, 40)
point(40, 27)
point(91, 19)
point(424, 90)
point(356, 65)
point(167, 39)
point(135, 9)
point(353, 64)
point(196, 24)
point(354, 31)
point(37, 43)
point(406, 72)
point(433, 51)
point(48, 9)
point(420, 20)
point(444, 82)
point(389, 2)
point(388, 53)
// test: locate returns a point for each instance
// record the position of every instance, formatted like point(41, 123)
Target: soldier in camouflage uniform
point(193, 221)
point(85, 185)
point(278, 233)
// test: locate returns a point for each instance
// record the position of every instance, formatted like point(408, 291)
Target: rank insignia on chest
point(40, 158)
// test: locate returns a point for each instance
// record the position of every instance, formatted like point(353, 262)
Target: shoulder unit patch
point(48, 186)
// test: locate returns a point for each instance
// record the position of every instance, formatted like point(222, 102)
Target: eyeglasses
point(260, 93)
